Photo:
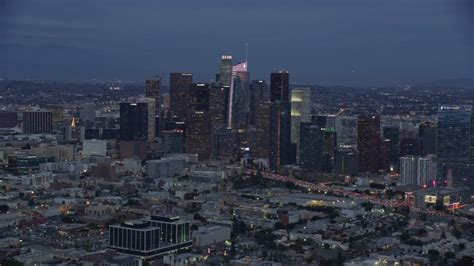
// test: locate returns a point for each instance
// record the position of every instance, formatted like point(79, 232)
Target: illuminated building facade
point(300, 112)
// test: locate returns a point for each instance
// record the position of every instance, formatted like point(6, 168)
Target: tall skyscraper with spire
point(239, 105)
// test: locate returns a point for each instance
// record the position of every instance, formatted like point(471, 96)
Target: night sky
point(327, 42)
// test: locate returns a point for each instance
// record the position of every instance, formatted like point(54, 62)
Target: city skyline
point(373, 43)
point(236, 133)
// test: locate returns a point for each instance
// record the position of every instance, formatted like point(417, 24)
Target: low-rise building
point(210, 235)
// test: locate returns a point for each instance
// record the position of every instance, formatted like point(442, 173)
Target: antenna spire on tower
point(246, 52)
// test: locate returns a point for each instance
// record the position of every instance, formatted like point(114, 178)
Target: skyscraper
point(223, 138)
point(37, 122)
point(416, 170)
point(368, 142)
point(280, 125)
point(411, 146)
point(225, 70)
point(329, 149)
point(180, 97)
point(347, 161)
point(224, 142)
point(393, 134)
point(427, 132)
point(408, 169)
point(151, 106)
point(454, 141)
point(239, 100)
point(88, 114)
point(198, 132)
point(261, 145)
point(346, 129)
point(311, 147)
point(133, 121)
point(152, 90)
point(259, 93)
point(218, 105)
point(300, 112)
point(280, 86)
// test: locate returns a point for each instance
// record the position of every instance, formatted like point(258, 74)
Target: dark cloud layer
point(364, 42)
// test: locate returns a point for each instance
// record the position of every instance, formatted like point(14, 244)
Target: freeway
point(325, 187)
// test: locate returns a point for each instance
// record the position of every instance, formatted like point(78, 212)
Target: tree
point(456, 233)
point(422, 232)
point(433, 255)
point(4, 208)
point(279, 225)
point(132, 202)
point(464, 261)
point(11, 262)
point(367, 205)
point(423, 216)
point(405, 236)
point(266, 237)
point(404, 210)
point(439, 206)
point(389, 194)
point(340, 258)
point(449, 255)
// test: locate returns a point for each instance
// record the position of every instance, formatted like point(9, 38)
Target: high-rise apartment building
point(419, 171)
